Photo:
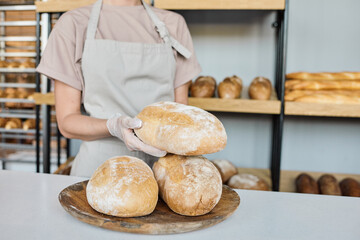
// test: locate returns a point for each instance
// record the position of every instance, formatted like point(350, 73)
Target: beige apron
point(122, 77)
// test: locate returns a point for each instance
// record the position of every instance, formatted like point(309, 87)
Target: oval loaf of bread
point(123, 187)
point(181, 129)
point(190, 186)
point(203, 87)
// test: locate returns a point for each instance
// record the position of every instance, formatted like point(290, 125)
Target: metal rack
point(20, 135)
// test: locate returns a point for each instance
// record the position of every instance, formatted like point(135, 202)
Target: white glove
point(122, 128)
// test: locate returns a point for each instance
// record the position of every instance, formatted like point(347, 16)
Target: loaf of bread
point(13, 64)
point(248, 181)
point(350, 187)
point(230, 88)
point(226, 169)
point(13, 123)
point(295, 94)
point(203, 87)
point(3, 64)
point(29, 124)
point(324, 76)
point(296, 84)
point(2, 122)
point(27, 64)
point(329, 98)
point(306, 184)
point(123, 187)
point(190, 186)
point(181, 129)
point(328, 185)
point(260, 89)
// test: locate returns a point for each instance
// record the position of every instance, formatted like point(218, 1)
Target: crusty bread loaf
point(226, 169)
point(230, 88)
point(324, 76)
point(306, 184)
point(13, 123)
point(2, 122)
point(296, 84)
point(181, 129)
point(328, 185)
point(123, 187)
point(29, 124)
point(190, 186)
point(293, 95)
point(13, 64)
point(248, 181)
point(260, 89)
point(350, 187)
point(3, 64)
point(203, 87)
point(329, 98)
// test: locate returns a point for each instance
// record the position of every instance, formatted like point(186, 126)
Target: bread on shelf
point(230, 88)
point(13, 123)
point(248, 181)
point(226, 169)
point(203, 87)
point(306, 184)
point(3, 122)
point(328, 185)
point(260, 89)
point(295, 84)
point(29, 124)
point(324, 76)
point(350, 187)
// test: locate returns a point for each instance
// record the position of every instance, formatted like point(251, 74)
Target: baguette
point(324, 76)
point(293, 95)
point(296, 84)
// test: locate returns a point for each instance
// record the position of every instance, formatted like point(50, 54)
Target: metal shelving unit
point(15, 139)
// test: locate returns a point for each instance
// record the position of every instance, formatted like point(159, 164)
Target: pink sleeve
point(186, 69)
point(59, 60)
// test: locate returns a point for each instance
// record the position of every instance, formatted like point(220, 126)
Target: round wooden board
point(161, 221)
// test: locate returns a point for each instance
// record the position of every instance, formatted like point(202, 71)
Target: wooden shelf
point(48, 98)
point(322, 109)
point(66, 5)
point(236, 105)
point(287, 177)
point(221, 4)
point(62, 5)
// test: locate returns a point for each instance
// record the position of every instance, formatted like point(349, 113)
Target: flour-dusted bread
point(123, 187)
point(181, 129)
point(190, 186)
point(203, 87)
point(230, 88)
point(248, 181)
point(226, 169)
point(260, 89)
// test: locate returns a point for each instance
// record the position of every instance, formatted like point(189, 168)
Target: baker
point(115, 57)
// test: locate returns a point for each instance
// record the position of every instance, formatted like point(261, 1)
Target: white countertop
point(29, 209)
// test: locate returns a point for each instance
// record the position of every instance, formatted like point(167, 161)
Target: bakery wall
point(323, 36)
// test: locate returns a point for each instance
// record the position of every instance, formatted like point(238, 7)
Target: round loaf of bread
point(248, 181)
point(190, 186)
point(260, 89)
point(230, 88)
point(181, 129)
point(203, 87)
point(123, 187)
point(226, 169)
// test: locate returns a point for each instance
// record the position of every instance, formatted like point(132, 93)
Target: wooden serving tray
point(161, 221)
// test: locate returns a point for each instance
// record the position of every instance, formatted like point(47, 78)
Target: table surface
point(29, 209)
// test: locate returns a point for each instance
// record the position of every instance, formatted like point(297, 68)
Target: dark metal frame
point(278, 120)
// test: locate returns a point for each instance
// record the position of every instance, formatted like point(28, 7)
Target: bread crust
point(181, 129)
point(225, 168)
point(350, 187)
point(328, 185)
point(203, 87)
point(306, 184)
point(260, 89)
point(190, 186)
point(230, 88)
point(123, 186)
point(248, 181)
point(324, 76)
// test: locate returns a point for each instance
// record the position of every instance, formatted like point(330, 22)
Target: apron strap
point(93, 20)
point(164, 33)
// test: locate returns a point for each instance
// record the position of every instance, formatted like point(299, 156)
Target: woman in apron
point(115, 58)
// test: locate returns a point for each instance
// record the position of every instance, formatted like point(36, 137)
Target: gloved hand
point(122, 128)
